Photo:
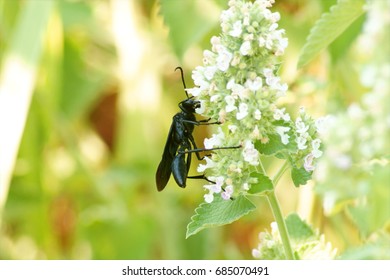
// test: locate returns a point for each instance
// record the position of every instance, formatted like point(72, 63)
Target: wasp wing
point(165, 167)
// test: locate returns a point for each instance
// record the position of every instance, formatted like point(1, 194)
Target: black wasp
point(180, 144)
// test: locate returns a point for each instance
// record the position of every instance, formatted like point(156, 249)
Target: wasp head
point(189, 105)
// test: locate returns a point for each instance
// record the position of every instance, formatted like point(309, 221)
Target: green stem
point(280, 173)
point(273, 201)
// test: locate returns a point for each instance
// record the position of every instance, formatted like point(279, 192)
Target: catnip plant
point(239, 85)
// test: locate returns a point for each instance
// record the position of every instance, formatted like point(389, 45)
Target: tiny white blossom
point(197, 75)
point(226, 15)
point(217, 187)
point(273, 27)
point(230, 84)
point(282, 45)
point(209, 72)
point(300, 126)
point(209, 197)
point(237, 89)
point(301, 142)
point(251, 155)
point(242, 111)
point(215, 140)
point(255, 84)
point(275, 17)
point(281, 130)
point(269, 41)
point(266, 41)
point(208, 57)
point(199, 79)
point(274, 83)
point(268, 73)
point(227, 194)
point(308, 163)
point(216, 43)
point(230, 104)
point(209, 164)
point(214, 98)
point(223, 59)
point(316, 148)
point(219, 183)
point(280, 114)
point(237, 29)
point(245, 48)
point(257, 114)
point(194, 91)
point(201, 109)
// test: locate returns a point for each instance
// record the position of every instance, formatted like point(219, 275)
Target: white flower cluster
point(311, 248)
point(308, 146)
point(238, 86)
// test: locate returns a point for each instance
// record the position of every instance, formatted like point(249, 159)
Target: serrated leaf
point(219, 212)
point(341, 45)
point(264, 183)
point(329, 27)
point(275, 146)
point(187, 21)
point(297, 228)
point(300, 176)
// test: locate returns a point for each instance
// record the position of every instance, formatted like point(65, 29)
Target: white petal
point(209, 197)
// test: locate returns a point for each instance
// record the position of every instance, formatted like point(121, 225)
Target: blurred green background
point(102, 96)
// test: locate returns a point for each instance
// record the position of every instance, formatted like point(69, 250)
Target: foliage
point(329, 27)
point(219, 212)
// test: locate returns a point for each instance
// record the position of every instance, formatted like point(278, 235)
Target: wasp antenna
point(182, 79)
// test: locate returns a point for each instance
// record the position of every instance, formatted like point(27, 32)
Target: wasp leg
point(201, 122)
point(203, 177)
point(197, 150)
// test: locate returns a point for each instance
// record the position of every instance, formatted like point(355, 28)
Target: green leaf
point(188, 22)
point(341, 45)
point(264, 184)
point(297, 228)
point(300, 176)
point(275, 146)
point(219, 212)
point(329, 27)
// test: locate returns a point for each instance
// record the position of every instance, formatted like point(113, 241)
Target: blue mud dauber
point(180, 144)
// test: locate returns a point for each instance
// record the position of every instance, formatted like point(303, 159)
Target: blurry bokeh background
point(98, 91)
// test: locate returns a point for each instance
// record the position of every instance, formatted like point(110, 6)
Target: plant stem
point(278, 175)
point(273, 201)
